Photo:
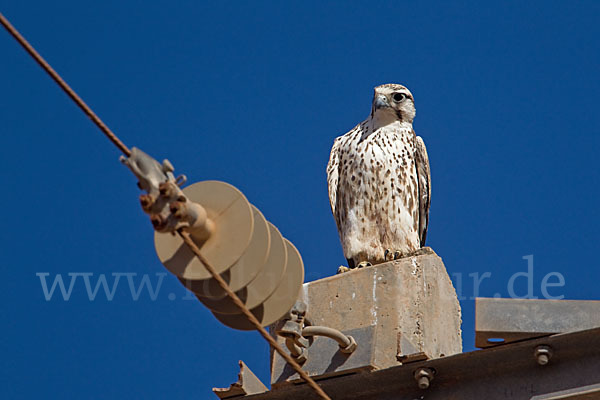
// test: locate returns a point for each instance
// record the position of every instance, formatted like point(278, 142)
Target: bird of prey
point(379, 182)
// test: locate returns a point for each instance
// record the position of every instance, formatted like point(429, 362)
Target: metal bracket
point(247, 384)
point(324, 358)
point(291, 330)
point(408, 352)
point(150, 172)
point(298, 333)
point(167, 205)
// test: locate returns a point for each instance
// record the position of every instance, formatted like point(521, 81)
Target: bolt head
point(543, 354)
point(164, 189)
point(146, 201)
point(424, 376)
point(157, 221)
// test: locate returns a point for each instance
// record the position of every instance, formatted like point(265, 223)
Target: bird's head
point(393, 102)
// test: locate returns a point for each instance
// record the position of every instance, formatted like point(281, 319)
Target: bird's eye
point(398, 97)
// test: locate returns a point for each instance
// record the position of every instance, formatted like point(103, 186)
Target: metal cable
point(64, 86)
point(184, 235)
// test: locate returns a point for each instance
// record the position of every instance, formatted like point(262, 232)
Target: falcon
point(379, 182)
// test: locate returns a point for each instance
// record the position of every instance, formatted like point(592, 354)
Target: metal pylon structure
point(387, 332)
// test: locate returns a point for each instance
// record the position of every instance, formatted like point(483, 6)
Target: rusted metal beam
point(504, 372)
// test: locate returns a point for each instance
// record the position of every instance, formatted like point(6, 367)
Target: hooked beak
point(381, 102)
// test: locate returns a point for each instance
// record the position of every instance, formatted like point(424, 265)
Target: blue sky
point(254, 94)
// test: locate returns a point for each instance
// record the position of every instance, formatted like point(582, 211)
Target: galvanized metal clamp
point(167, 205)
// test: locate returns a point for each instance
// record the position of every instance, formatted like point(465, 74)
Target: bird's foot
point(390, 255)
point(363, 264)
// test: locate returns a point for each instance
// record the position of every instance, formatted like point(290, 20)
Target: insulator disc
point(279, 303)
point(232, 215)
point(263, 285)
point(245, 270)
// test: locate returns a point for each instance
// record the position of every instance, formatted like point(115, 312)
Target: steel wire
point(184, 235)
